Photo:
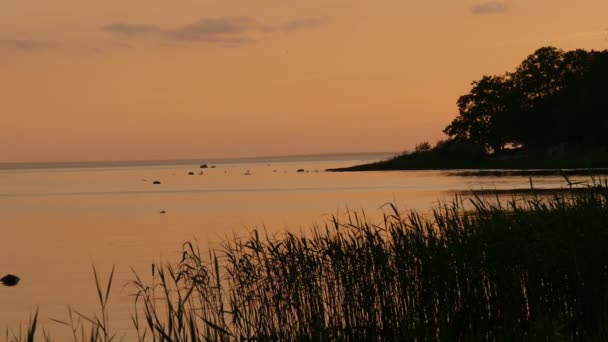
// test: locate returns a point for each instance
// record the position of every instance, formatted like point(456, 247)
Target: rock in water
point(10, 280)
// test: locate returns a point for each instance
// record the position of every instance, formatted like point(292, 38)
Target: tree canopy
point(553, 97)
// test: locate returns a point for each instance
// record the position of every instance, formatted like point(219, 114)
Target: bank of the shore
point(529, 165)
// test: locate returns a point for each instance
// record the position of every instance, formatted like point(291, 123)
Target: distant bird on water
point(9, 280)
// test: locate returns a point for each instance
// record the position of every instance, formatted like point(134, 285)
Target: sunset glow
point(141, 80)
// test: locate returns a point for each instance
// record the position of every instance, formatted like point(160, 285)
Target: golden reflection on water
point(55, 224)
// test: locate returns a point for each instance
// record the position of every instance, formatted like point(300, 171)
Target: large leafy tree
point(581, 108)
point(552, 97)
point(486, 113)
point(542, 80)
point(541, 74)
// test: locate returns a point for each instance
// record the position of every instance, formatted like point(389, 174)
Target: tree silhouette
point(486, 113)
point(553, 97)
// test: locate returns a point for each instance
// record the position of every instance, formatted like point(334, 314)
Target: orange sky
point(151, 79)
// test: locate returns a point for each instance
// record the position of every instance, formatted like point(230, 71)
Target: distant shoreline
point(163, 162)
point(569, 165)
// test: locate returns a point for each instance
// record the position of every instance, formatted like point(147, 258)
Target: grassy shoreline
point(544, 168)
point(585, 162)
point(474, 269)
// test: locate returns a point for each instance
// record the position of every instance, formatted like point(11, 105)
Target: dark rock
point(300, 170)
point(204, 166)
point(163, 212)
point(9, 280)
point(213, 166)
point(156, 182)
point(190, 173)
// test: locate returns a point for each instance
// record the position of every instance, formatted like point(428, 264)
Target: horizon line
point(7, 164)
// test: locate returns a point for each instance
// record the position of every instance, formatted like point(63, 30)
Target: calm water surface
point(56, 222)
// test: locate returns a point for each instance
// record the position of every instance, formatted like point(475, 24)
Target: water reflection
point(56, 223)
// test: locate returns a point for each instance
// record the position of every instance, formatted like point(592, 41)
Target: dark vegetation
point(479, 269)
point(551, 112)
point(530, 172)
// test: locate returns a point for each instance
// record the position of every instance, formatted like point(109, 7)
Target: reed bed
point(472, 269)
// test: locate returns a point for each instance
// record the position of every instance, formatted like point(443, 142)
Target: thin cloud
point(298, 24)
point(490, 7)
point(228, 31)
point(131, 29)
point(23, 44)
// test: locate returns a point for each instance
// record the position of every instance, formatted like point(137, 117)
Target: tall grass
point(478, 269)
point(97, 327)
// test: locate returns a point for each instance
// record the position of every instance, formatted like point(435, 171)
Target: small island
point(550, 113)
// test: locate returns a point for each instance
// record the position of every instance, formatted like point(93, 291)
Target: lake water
point(56, 221)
